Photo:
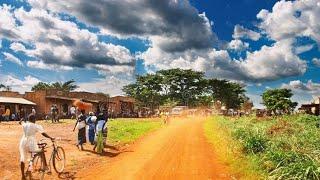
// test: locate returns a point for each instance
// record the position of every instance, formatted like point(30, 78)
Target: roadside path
point(179, 151)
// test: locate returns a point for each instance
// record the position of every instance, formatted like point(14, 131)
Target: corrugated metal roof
point(61, 97)
point(13, 100)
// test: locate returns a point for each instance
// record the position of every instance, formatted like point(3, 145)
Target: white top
point(100, 125)
point(28, 142)
point(72, 110)
point(31, 129)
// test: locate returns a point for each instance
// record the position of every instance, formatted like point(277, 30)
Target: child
point(28, 142)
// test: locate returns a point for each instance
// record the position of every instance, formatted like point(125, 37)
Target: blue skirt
point(91, 135)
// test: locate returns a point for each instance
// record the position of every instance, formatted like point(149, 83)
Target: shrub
point(255, 143)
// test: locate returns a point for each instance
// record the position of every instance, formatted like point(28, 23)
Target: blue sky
point(103, 44)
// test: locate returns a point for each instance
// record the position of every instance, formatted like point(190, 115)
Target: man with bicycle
point(28, 142)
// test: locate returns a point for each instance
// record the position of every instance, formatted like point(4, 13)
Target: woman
point(91, 122)
point(81, 126)
point(99, 139)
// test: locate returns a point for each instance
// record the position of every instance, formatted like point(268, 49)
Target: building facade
point(118, 106)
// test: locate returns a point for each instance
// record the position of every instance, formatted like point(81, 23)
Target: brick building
point(118, 106)
point(312, 108)
point(64, 100)
point(16, 103)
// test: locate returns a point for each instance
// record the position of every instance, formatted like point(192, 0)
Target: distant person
point(33, 111)
point(7, 114)
point(73, 112)
point(54, 113)
point(22, 115)
point(28, 142)
point(13, 116)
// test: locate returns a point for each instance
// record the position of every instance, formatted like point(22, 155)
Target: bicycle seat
point(42, 145)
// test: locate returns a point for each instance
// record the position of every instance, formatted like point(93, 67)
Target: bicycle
point(38, 164)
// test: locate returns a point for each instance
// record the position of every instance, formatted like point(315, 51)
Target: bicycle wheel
point(37, 170)
point(59, 160)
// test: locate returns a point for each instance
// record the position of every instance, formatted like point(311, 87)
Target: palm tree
point(41, 86)
point(6, 88)
point(66, 86)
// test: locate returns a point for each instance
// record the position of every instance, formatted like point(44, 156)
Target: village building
point(120, 106)
point(313, 108)
point(43, 100)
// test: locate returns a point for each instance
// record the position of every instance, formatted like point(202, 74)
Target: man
point(28, 142)
point(33, 111)
point(54, 113)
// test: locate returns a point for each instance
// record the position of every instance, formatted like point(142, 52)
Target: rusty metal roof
point(13, 100)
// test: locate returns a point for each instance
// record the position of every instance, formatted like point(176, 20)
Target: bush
point(255, 143)
point(295, 166)
point(252, 142)
point(308, 118)
point(285, 147)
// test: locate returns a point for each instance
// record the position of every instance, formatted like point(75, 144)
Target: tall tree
point(278, 100)
point(185, 87)
point(230, 94)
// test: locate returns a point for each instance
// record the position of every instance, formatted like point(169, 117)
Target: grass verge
point(128, 130)
point(284, 147)
point(219, 135)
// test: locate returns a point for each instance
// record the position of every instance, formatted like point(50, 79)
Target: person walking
point(101, 132)
point(91, 122)
point(28, 142)
point(81, 126)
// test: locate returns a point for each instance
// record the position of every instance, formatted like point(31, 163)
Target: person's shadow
point(115, 151)
point(67, 175)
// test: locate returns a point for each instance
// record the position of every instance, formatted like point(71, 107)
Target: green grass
point(129, 130)
point(123, 130)
point(286, 147)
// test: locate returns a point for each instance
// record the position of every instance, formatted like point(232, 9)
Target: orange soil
point(178, 151)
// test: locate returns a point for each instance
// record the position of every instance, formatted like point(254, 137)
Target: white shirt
point(100, 125)
point(72, 110)
point(28, 142)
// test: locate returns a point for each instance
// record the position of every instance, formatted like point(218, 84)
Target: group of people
point(7, 115)
point(93, 126)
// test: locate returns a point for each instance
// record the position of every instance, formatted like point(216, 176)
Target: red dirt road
point(179, 151)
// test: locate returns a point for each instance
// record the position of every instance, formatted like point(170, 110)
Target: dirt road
point(179, 151)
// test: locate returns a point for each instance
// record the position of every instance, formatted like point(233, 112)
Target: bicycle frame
point(43, 155)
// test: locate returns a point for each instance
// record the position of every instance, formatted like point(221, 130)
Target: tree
point(278, 101)
point(6, 88)
point(230, 94)
point(66, 86)
point(41, 86)
point(185, 87)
